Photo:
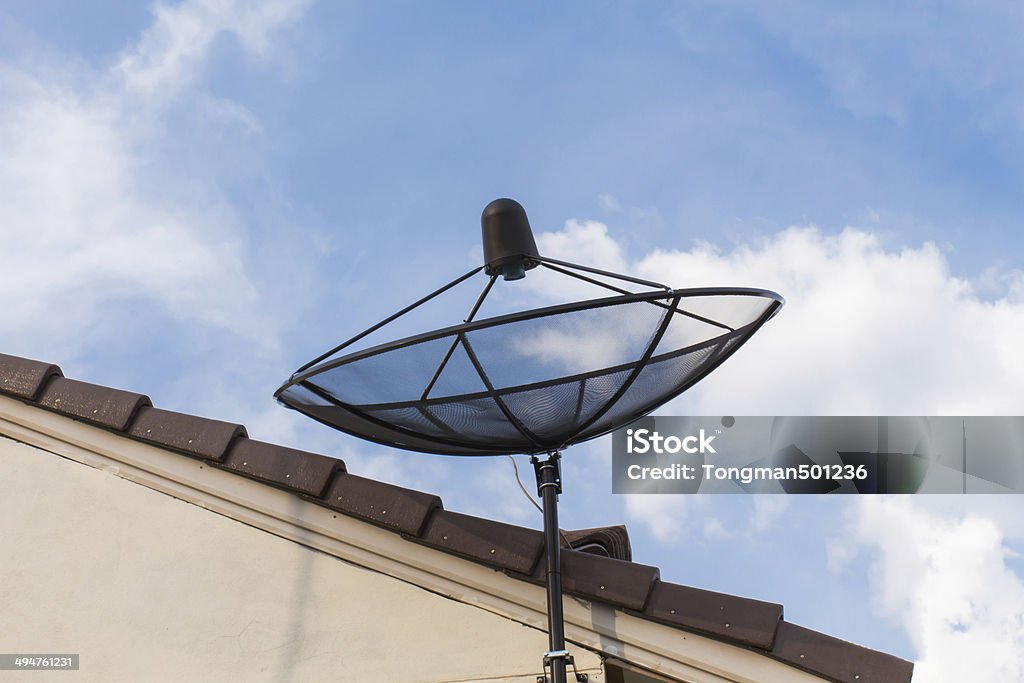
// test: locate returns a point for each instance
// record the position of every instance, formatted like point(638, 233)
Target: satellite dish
point(530, 382)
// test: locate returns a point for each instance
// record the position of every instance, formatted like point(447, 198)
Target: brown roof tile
point(616, 582)
point(103, 406)
point(399, 509)
point(199, 437)
point(24, 378)
point(752, 622)
point(494, 543)
point(837, 659)
point(287, 468)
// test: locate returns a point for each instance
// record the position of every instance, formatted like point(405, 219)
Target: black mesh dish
point(535, 381)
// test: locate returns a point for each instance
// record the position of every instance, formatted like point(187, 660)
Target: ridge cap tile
point(388, 505)
point(25, 378)
point(93, 403)
point(498, 544)
point(199, 437)
point(837, 659)
point(605, 579)
point(731, 617)
point(281, 466)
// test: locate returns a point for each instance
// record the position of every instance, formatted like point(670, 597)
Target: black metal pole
point(549, 485)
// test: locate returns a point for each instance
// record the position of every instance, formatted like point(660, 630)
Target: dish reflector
point(535, 381)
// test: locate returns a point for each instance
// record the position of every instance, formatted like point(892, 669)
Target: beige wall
point(148, 587)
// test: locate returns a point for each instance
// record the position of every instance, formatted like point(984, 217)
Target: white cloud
point(586, 242)
point(609, 202)
point(866, 329)
point(664, 516)
point(671, 517)
point(552, 349)
point(98, 221)
point(945, 578)
point(767, 511)
point(714, 528)
point(173, 51)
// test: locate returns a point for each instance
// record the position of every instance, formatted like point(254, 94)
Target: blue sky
point(197, 198)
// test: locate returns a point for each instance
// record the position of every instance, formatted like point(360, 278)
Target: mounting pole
point(549, 485)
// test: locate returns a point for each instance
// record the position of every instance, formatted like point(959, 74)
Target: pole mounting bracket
point(553, 463)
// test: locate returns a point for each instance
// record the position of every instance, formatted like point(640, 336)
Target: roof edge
point(323, 482)
point(591, 625)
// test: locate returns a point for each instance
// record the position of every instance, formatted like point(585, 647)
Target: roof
point(596, 567)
